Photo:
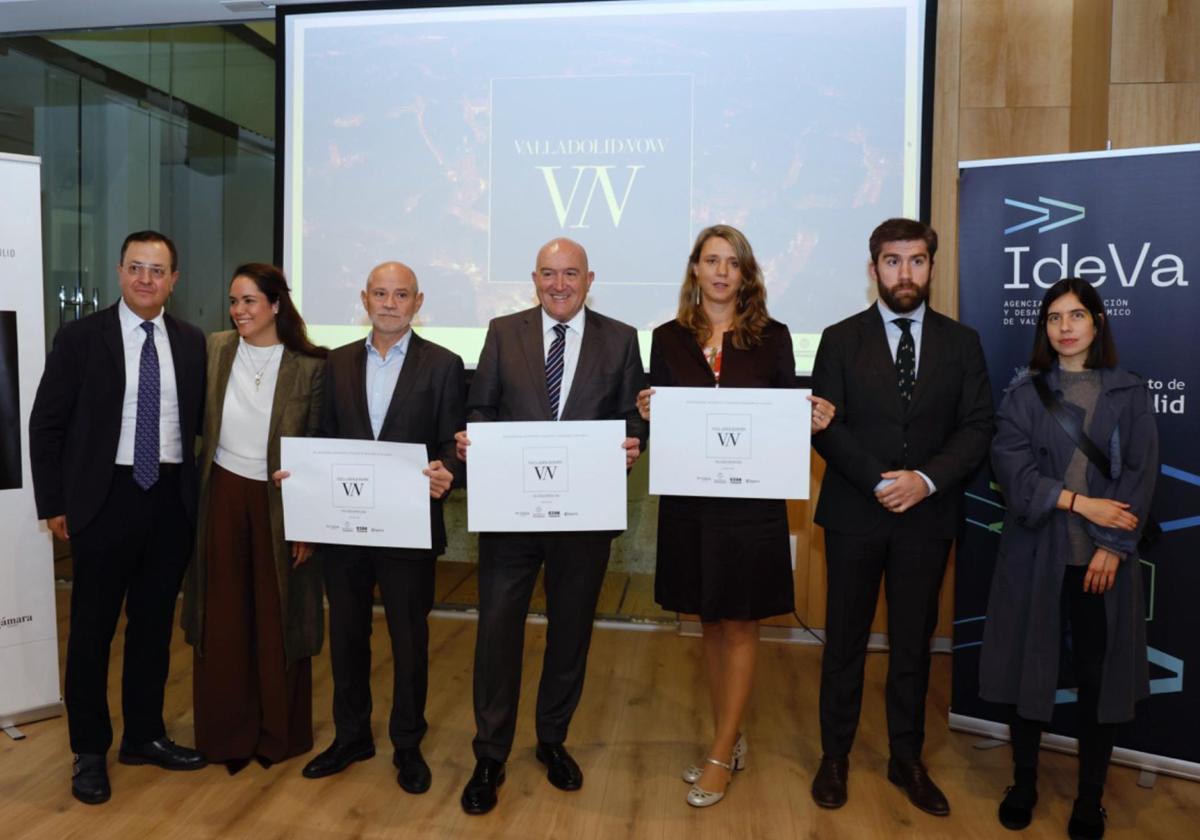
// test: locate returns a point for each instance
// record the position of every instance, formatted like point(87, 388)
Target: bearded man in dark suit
point(112, 438)
point(556, 361)
point(914, 421)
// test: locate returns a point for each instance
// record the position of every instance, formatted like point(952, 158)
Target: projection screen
point(459, 139)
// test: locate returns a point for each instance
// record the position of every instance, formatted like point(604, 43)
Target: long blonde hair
point(750, 315)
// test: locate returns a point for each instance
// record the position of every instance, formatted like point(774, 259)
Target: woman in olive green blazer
point(252, 605)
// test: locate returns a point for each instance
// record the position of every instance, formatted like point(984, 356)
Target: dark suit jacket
point(510, 379)
point(426, 407)
point(944, 432)
point(75, 423)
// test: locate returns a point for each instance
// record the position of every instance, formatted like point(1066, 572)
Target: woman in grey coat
point(1067, 575)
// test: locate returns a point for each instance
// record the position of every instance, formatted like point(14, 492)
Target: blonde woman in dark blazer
point(252, 602)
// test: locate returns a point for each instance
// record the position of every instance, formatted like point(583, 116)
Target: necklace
point(258, 375)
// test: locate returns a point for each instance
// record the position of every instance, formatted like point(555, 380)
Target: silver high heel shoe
point(692, 773)
point(698, 797)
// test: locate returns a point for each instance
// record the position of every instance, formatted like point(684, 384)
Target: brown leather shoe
point(829, 785)
point(913, 779)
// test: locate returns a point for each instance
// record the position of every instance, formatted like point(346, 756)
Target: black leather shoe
point(414, 775)
point(337, 758)
point(1087, 820)
point(913, 779)
point(162, 752)
point(561, 769)
point(479, 796)
point(1016, 811)
point(89, 779)
point(829, 785)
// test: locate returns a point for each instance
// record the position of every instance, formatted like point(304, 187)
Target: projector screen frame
point(283, 12)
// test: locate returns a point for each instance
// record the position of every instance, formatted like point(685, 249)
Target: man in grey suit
point(556, 361)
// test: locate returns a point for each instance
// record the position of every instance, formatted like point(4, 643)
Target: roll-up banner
point(1126, 221)
point(29, 688)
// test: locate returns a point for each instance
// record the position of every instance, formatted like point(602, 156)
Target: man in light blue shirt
point(398, 387)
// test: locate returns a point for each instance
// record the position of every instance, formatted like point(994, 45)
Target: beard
point(903, 298)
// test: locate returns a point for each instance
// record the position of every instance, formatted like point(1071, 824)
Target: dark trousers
point(912, 568)
point(406, 587)
point(133, 553)
point(508, 567)
point(1086, 627)
point(248, 701)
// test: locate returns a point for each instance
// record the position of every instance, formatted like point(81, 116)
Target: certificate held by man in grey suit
point(547, 476)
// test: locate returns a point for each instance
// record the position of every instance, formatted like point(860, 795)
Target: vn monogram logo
point(544, 473)
point(728, 438)
point(352, 488)
point(599, 177)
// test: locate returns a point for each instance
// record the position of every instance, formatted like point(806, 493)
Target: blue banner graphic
point(1127, 223)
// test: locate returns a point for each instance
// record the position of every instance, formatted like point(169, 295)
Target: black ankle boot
point(1016, 811)
point(1087, 819)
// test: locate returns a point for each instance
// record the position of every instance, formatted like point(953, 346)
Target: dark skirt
point(724, 558)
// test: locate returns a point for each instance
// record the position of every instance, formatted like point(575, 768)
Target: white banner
point(29, 688)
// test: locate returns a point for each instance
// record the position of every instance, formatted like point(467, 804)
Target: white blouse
point(246, 414)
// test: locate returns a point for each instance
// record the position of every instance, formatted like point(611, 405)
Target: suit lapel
point(931, 355)
point(405, 381)
point(289, 367)
point(179, 363)
point(226, 356)
point(535, 358)
point(358, 388)
point(115, 342)
point(589, 356)
point(877, 349)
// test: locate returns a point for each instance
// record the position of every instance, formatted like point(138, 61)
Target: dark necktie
point(145, 435)
point(906, 360)
point(554, 367)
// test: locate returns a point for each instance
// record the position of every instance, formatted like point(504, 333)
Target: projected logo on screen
point(604, 160)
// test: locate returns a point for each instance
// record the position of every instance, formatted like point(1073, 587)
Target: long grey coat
point(1019, 662)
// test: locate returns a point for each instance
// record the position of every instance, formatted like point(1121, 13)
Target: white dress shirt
point(246, 412)
point(382, 375)
point(132, 337)
point(570, 350)
point(917, 316)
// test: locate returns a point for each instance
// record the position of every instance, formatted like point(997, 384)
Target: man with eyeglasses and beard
point(914, 421)
point(112, 440)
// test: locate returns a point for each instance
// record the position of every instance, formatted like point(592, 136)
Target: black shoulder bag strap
point(1070, 424)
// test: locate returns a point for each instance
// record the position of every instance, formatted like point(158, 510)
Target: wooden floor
point(643, 717)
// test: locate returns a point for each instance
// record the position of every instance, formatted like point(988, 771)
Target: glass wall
point(170, 129)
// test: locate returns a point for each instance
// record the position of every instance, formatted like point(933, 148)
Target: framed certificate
point(355, 492)
point(737, 442)
point(546, 476)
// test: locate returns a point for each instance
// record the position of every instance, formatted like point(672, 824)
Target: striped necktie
point(554, 367)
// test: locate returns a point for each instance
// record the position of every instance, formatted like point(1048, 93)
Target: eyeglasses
point(135, 269)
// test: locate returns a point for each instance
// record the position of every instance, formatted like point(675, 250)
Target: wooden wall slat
point(1009, 132)
point(1156, 41)
point(1154, 114)
point(1016, 54)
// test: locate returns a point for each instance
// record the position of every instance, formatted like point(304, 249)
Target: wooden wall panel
point(1010, 132)
point(1154, 115)
point(1091, 51)
point(1016, 53)
point(1156, 41)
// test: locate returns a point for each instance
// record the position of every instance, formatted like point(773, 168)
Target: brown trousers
point(248, 702)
